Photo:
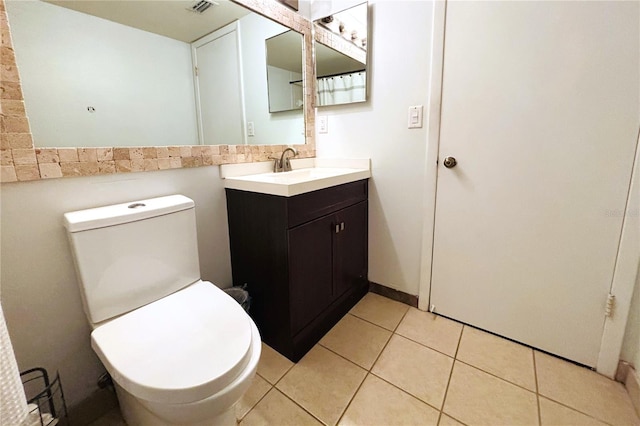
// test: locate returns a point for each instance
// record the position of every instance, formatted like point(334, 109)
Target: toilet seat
point(182, 348)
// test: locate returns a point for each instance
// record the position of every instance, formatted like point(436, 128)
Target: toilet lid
point(179, 349)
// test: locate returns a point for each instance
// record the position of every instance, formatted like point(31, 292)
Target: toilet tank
point(128, 255)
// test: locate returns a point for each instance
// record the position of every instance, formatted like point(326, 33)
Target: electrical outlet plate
point(323, 124)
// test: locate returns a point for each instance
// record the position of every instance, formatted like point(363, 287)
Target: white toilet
point(179, 349)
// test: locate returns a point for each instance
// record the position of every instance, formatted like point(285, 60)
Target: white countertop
point(309, 174)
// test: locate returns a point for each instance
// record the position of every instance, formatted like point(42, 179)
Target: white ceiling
point(172, 18)
point(285, 51)
point(329, 62)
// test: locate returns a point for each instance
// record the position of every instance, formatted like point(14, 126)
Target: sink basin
point(288, 184)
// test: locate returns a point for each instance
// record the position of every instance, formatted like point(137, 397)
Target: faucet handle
point(277, 167)
point(286, 167)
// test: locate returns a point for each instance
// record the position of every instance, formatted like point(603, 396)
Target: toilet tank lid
point(100, 217)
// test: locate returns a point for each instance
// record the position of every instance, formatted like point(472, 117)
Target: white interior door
point(540, 107)
point(219, 87)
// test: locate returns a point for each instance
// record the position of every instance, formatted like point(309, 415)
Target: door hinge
point(611, 306)
point(196, 68)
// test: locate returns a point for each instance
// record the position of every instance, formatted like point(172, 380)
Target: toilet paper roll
point(13, 403)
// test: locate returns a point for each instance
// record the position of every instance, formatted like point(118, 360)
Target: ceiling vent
point(201, 6)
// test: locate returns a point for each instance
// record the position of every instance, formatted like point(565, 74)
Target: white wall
point(399, 77)
point(283, 95)
point(270, 128)
point(40, 295)
point(140, 84)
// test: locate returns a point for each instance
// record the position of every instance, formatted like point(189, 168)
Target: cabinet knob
point(337, 228)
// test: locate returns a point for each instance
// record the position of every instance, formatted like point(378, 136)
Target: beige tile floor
point(385, 363)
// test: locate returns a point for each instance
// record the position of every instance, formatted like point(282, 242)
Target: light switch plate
point(251, 131)
point(323, 124)
point(415, 117)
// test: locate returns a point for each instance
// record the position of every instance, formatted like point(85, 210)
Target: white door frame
point(626, 267)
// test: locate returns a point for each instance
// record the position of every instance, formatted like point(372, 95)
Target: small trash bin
point(241, 295)
point(45, 399)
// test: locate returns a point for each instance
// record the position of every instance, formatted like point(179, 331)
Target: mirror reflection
point(147, 73)
point(284, 72)
point(341, 56)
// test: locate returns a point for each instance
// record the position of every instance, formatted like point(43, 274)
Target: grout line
point(378, 356)
point(298, 404)
point(404, 391)
point(535, 375)
point(344, 357)
point(453, 365)
point(374, 362)
point(539, 395)
point(369, 371)
point(367, 321)
point(496, 376)
point(378, 325)
point(402, 319)
point(462, 325)
point(284, 374)
point(536, 393)
point(576, 410)
point(466, 363)
point(271, 387)
point(293, 364)
point(392, 384)
point(455, 354)
point(449, 415)
point(352, 398)
point(425, 346)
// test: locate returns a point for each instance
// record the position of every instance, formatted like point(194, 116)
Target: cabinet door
point(310, 270)
point(350, 249)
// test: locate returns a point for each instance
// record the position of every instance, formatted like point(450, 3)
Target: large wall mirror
point(149, 73)
point(341, 42)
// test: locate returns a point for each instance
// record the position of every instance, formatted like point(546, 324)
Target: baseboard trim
point(632, 384)
point(621, 372)
point(400, 296)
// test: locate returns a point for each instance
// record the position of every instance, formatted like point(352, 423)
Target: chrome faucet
point(283, 164)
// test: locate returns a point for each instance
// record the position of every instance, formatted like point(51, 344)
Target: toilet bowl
point(179, 349)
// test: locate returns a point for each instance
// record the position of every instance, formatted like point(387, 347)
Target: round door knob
point(450, 162)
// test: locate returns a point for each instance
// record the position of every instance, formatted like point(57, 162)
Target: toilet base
point(136, 414)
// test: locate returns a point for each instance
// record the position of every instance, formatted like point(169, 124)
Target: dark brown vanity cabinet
point(303, 258)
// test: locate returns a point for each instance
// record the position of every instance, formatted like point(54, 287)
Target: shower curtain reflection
point(341, 89)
